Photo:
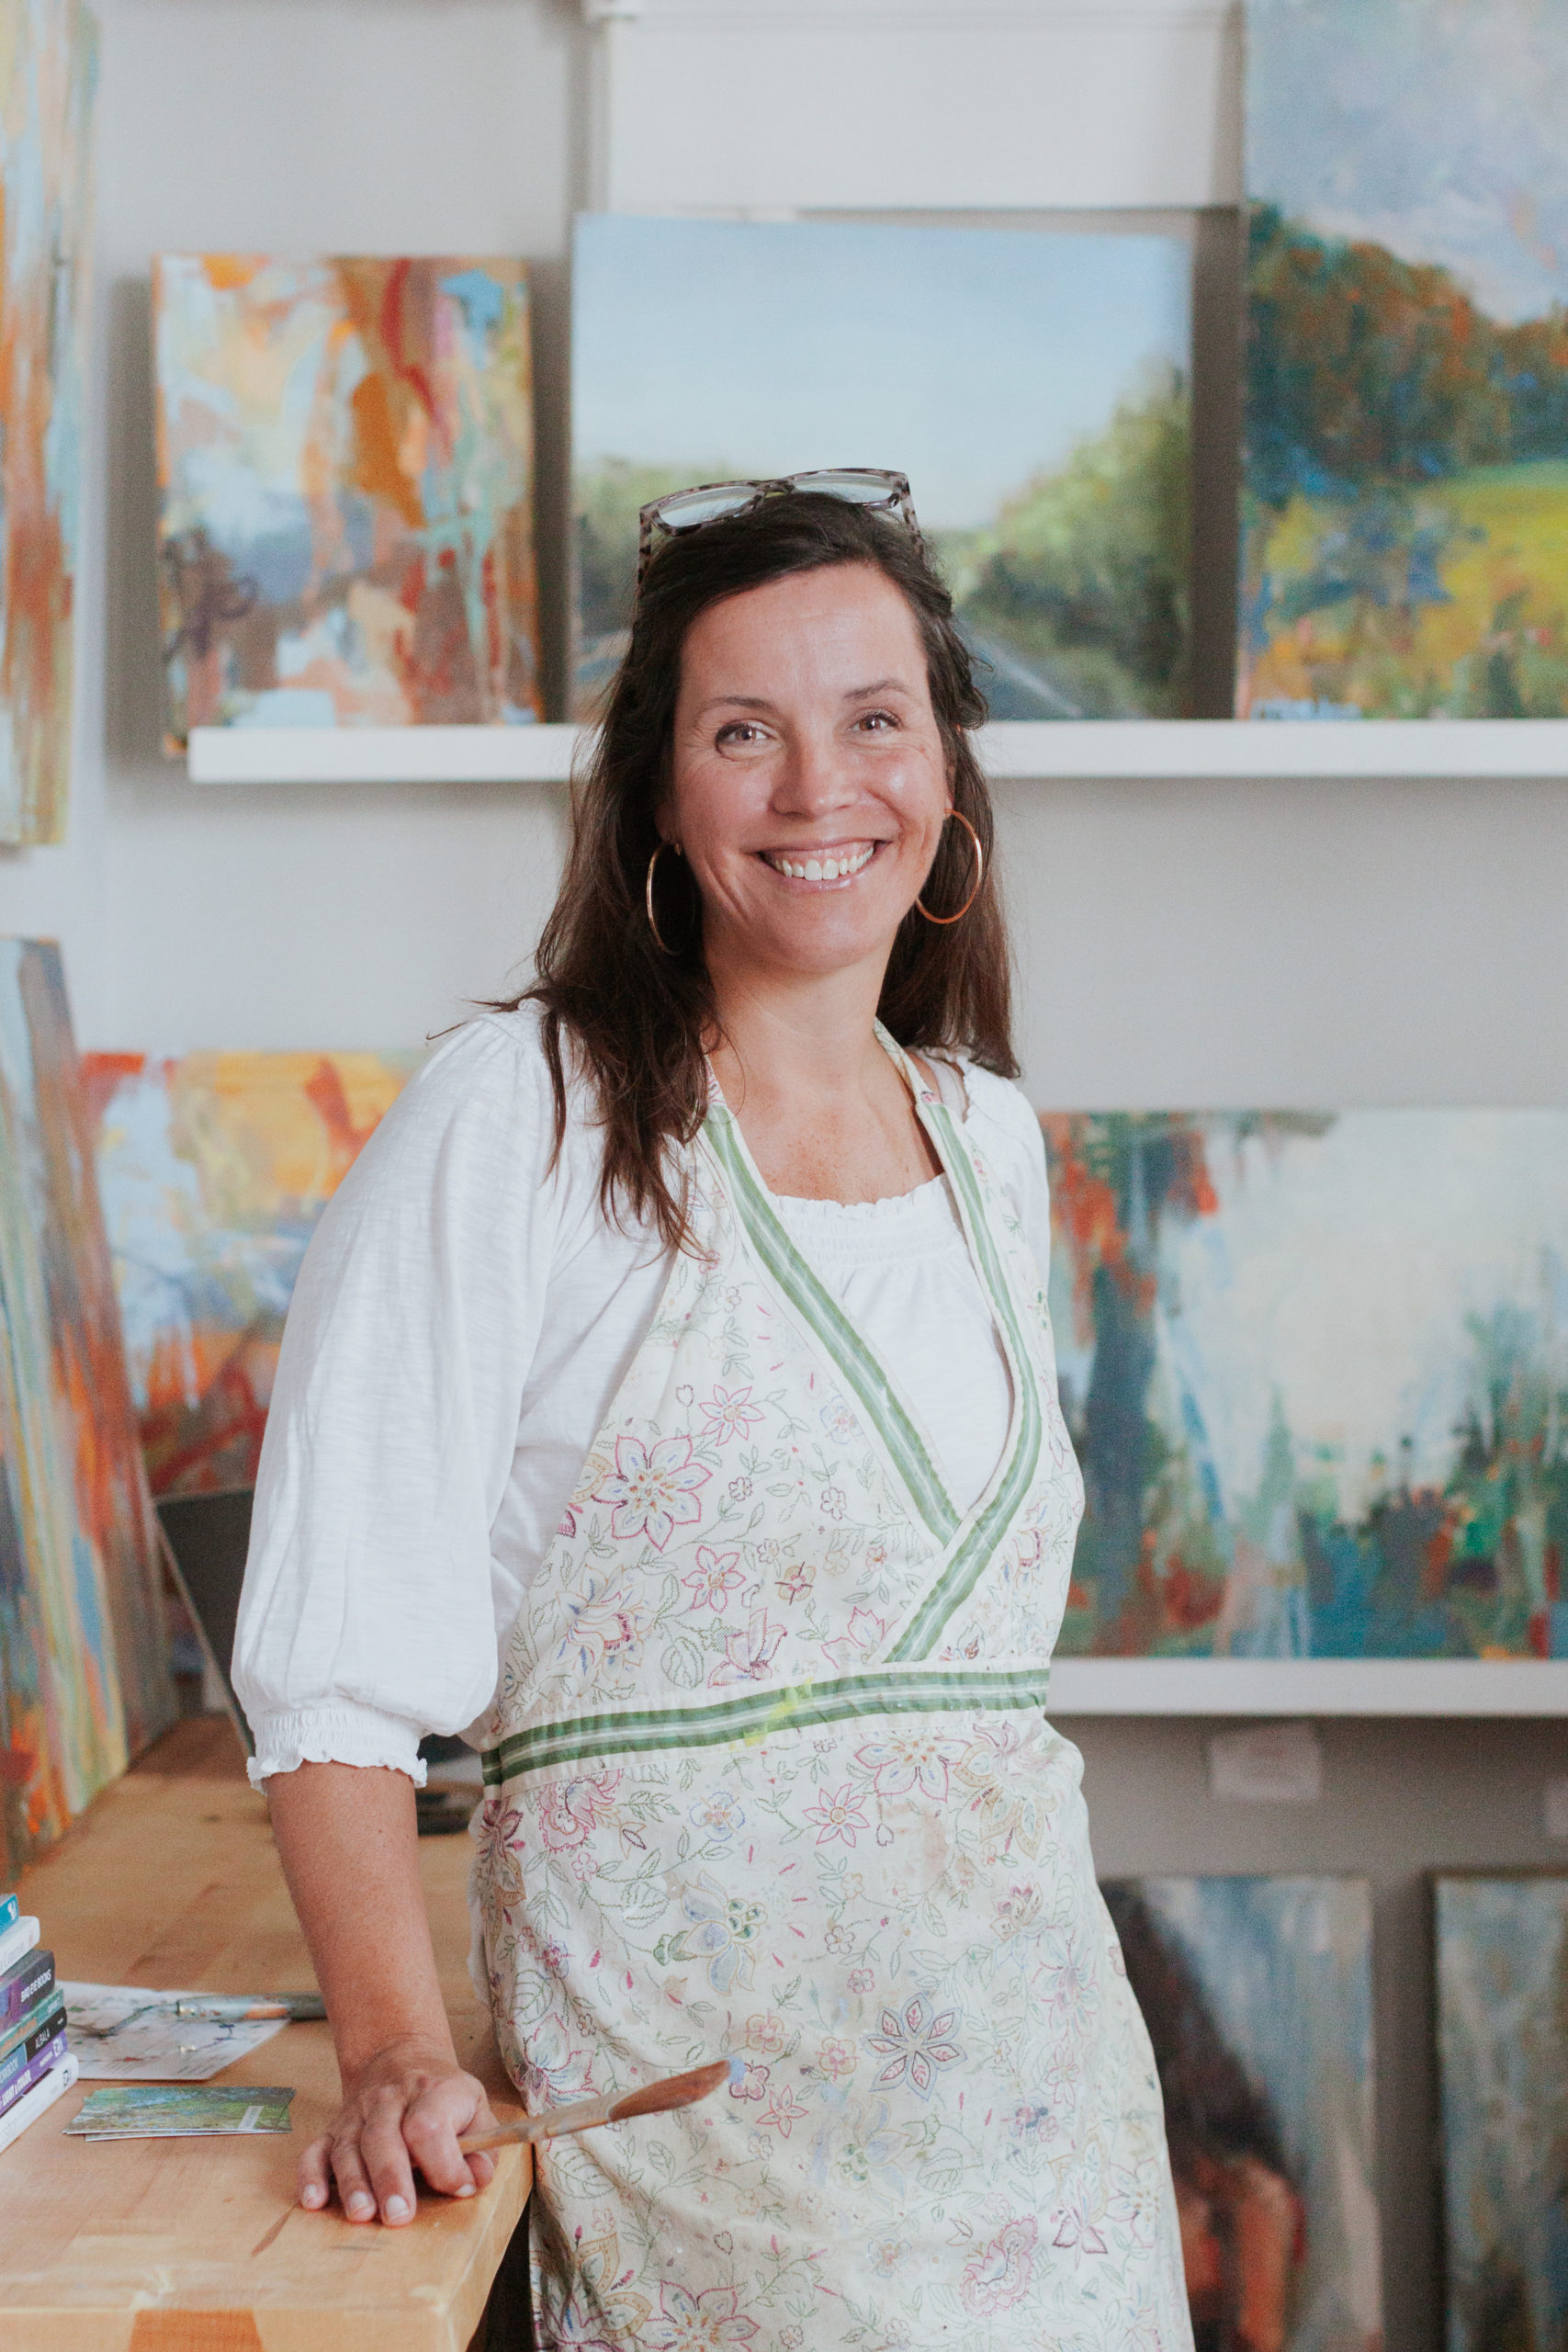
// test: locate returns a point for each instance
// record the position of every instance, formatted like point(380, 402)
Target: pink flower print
point(909, 1759)
point(1075, 2226)
point(839, 1815)
point(754, 2082)
point(714, 1578)
point(853, 1649)
point(997, 2278)
point(747, 1656)
point(784, 2114)
point(717, 1812)
point(604, 1623)
point(567, 1522)
point(706, 2322)
point(499, 1844)
point(859, 1980)
point(797, 1582)
point(917, 2044)
point(740, 1489)
point(570, 1811)
point(727, 1413)
point(832, 1502)
point(837, 2058)
point(837, 1938)
point(653, 1489)
point(765, 2032)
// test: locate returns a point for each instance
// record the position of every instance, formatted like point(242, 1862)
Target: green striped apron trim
point(846, 1351)
point(760, 1715)
point(973, 1552)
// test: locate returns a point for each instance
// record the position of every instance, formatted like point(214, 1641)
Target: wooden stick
point(654, 2099)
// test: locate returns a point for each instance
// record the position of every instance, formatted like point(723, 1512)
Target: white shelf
point(1022, 752)
point(1308, 1686)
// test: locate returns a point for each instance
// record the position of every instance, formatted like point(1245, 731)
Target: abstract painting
point(1257, 1993)
point(84, 1672)
point(1406, 465)
point(49, 65)
point(1032, 385)
point(214, 1169)
point(347, 480)
point(1316, 1367)
point(1502, 1959)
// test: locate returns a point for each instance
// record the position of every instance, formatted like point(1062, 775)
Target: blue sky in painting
point(1433, 127)
point(969, 358)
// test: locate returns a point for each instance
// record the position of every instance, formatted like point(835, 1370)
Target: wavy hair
point(639, 1022)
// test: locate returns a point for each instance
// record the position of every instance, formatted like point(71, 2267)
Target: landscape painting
point(1405, 463)
point(1316, 1367)
point(1033, 385)
point(214, 1170)
point(1501, 1961)
point(84, 1673)
point(48, 69)
point(347, 489)
point(1257, 1993)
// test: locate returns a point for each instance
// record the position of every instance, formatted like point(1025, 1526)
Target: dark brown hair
point(640, 1021)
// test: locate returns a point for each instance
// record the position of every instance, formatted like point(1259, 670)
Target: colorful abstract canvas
point(1316, 1369)
point(214, 1169)
point(1032, 385)
point(48, 64)
point(84, 1673)
point(346, 480)
point(1257, 1993)
point(1405, 469)
point(1502, 1962)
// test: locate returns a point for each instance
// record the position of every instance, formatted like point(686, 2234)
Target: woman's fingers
point(315, 2172)
point(352, 2181)
point(431, 2128)
point(385, 2153)
point(383, 2131)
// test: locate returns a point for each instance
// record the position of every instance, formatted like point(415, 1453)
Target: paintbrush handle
point(551, 2123)
point(653, 2098)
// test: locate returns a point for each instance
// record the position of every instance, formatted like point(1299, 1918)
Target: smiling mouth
point(839, 863)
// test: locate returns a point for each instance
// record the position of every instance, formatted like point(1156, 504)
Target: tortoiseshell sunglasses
point(711, 501)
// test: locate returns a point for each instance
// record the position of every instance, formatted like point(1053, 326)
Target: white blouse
point(462, 1321)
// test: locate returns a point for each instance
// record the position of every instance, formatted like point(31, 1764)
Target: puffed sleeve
point(366, 1617)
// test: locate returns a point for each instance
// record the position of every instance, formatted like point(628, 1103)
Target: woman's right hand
point(407, 2105)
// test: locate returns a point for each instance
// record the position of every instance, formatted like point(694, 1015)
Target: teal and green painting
point(1033, 386)
point(1316, 1367)
point(1502, 1952)
point(1406, 465)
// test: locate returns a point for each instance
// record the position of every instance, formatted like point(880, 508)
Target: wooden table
point(171, 1879)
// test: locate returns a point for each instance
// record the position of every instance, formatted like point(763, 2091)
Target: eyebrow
point(761, 702)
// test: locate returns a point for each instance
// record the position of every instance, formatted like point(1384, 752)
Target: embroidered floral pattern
point(917, 2045)
point(654, 1489)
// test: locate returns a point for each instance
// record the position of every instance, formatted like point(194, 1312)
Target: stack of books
point(35, 2064)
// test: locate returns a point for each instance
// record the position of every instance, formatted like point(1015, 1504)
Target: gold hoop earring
point(648, 895)
point(979, 875)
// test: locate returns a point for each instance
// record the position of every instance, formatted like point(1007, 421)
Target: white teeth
point(825, 869)
point(813, 870)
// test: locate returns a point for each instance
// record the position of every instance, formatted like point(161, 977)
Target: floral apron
point(771, 1776)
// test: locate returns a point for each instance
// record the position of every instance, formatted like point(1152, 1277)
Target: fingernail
point(312, 2196)
point(397, 2209)
point(359, 2205)
point(466, 2188)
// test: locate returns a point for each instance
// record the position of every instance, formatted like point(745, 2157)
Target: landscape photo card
point(346, 475)
point(1033, 385)
point(1316, 1367)
point(1405, 460)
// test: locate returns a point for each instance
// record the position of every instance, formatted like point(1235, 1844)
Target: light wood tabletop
point(171, 1880)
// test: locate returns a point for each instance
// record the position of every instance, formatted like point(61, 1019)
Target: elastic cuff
point(343, 1733)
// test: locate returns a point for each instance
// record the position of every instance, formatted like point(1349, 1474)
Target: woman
point(668, 1398)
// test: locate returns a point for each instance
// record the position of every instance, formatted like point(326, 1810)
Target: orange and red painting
point(84, 1671)
point(214, 1169)
point(48, 63)
point(347, 475)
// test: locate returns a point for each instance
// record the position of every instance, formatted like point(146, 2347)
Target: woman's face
point(809, 782)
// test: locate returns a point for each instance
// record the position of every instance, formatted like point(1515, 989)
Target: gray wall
point(1195, 944)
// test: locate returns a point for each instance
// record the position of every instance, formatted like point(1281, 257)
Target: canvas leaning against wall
point(48, 67)
point(1502, 1963)
point(84, 1675)
point(1405, 475)
point(1257, 1993)
point(214, 1171)
point(346, 483)
point(1315, 1367)
point(1033, 387)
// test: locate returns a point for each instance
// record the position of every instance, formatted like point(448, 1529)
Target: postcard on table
point(161, 2111)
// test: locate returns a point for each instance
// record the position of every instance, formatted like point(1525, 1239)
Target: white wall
point(1193, 944)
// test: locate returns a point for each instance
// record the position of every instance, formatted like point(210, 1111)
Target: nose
point(815, 776)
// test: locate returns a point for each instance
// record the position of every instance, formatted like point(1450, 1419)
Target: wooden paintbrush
point(654, 2099)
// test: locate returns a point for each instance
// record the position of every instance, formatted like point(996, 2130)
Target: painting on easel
point(84, 1673)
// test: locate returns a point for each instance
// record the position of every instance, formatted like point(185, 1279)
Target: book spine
point(19, 2085)
point(47, 2011)
point(38, 2034)
point(17, 1940)
point(24, 1985)
point(10, 1910)
point(37, 2102)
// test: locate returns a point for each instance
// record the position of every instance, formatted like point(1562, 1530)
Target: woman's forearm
point(348, 1840)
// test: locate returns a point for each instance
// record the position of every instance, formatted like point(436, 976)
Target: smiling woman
point(669, 1401)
